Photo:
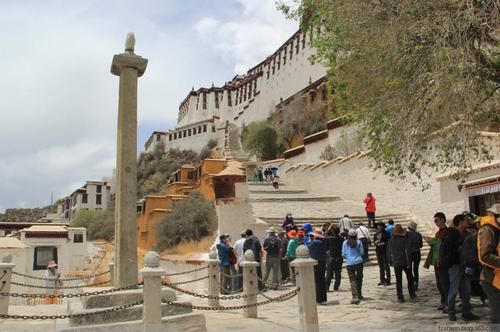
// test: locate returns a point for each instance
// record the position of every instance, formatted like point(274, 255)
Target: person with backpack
point(489, 255)
point(317, 251)
point(224, 251)
point(440, 273)
point(285, 269)
point(415, 243)
point(352, 251)
point(364, 236)
point(380, 239)
point(252, 243)
point(398, 254)
point(450, 259)
point(334, 241)
point(345, 224)
point(272, 247)
point(370, 209)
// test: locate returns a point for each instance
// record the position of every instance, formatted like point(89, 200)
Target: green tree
point(260, 139)
point(100, 224)
point(191, 219)
point(420, 76)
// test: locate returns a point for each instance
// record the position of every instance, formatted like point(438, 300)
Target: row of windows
point(98, 199)
point(295, 45)
point(189, 132)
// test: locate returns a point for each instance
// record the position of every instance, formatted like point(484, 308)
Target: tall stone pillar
point(129, 67)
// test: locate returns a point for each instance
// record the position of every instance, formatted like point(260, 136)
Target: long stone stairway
point(272, 205)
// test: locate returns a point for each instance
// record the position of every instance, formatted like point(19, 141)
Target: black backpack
point(272, 246)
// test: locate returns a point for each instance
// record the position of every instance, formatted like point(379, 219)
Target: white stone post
point(306, 290)
point(6, 267)
point(111, 266)
point(250, 284)
point(152, 274)
point(129, 67)
point(213, 278)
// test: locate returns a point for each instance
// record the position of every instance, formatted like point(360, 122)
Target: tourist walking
point(293, 243)
point(390, 226)
point(433, 258)
point(370, 209)
point(276, 182)
point(415, 243)
point(52, 282)
point(224, 251)
point(334, 241)
point(308, 228)
point(284, 268)
point(399, 258)
point(252, 243)
point(240, 254)
point(489, 255)
point(317, 251)
point(288, 223)
point(352, 251)
point(272, 247)
point(380, 240)
point(470, 255)
point(364, 236)
point(345, 224)
point(450, 259)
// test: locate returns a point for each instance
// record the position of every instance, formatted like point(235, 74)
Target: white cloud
point(248, 38)
point(59, 100)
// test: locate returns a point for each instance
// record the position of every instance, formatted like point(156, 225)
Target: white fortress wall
point(352, 178)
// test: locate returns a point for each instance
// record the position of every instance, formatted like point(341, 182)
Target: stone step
point(132, 313)
point(271, 191)
point(189, 322)
point(118, 298)
point(297, 198)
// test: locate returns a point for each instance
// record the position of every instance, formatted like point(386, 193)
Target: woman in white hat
point(52, 282)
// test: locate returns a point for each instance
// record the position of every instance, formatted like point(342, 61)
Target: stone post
point(152, 274)
point(111, 266)
point(6, 267)
point(213, 277)
point(250, 283)
point(306, 293)
point(129, 67)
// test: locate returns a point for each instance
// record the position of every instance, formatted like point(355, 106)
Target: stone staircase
point(272, 205)
point(232, 145)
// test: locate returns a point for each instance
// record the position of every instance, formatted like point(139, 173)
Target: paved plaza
point(379, 312)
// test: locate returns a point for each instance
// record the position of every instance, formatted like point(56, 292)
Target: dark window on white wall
point(99, 189)
point(42, 257)
point(98, 199)
point(78, 238)
point(84, 198)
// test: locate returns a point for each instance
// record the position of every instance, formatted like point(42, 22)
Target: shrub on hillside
point(100, 224)
point(191, 219)
point(260, 139)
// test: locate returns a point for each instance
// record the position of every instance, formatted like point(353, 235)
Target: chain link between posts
point(86, 314)
point(61, 279)
point(186, 272)
point(52, 296)
point(281, 298)
point(58, 287)
point(186, 281)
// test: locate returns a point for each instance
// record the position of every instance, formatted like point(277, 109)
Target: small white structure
point(41, 244)
point(17, 249)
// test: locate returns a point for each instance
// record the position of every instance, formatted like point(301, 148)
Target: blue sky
point(59, 100)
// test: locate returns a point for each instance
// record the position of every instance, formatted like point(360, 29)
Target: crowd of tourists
point(267, 175)
point(465, 257)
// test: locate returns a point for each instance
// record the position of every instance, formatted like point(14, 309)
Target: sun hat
point(318, 233)
point(398, 230)
point(51, 264)
point(292, 233)
point(495, 208)
point(412, 225)
point(352, 233)
point(271, 230)
point(301, 233)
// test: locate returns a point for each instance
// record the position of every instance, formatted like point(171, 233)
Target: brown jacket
point(489, 251)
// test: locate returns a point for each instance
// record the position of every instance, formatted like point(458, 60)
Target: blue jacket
point(224, 252)
point(317, 250)
point(389, 229)
point(308, 228)
point(353, 255)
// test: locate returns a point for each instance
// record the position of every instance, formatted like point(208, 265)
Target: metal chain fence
point(58, 287)
point(89, 276)
point(185, 272)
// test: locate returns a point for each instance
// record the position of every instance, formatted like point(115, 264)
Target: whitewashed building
point(94, 195)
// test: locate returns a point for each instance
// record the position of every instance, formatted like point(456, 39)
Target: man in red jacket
point(370, 209)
